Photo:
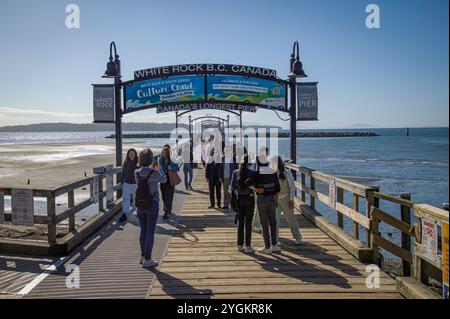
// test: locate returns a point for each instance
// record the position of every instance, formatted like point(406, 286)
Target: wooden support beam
point(51, 222)
point(71, 204)
point(340, 200)
point(355, 224)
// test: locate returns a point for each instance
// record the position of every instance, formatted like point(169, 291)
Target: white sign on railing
point(430, 240)
point(22, 207)
point(2, 205)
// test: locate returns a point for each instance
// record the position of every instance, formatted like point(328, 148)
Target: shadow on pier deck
point(199, 260)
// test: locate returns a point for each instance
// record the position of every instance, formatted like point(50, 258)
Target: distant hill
point(91, 127)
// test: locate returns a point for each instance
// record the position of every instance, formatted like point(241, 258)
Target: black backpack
point(143, 198)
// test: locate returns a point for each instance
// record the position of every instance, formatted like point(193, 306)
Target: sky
point(394, 76)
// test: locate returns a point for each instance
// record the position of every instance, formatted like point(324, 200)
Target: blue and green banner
point(234, 88)
point(164, 90)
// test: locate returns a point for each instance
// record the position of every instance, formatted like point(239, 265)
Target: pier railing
point(360, 204)
point(63, 239)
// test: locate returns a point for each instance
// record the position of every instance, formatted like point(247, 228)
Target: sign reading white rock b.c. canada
point(22, 207)
point(104, 110)
point(2, 205)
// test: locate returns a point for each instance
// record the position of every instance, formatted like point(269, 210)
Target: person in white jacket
point(286, 198)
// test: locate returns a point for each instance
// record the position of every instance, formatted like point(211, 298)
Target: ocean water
point(418, 164)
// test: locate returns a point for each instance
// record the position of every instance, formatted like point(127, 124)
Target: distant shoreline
point(281, 134)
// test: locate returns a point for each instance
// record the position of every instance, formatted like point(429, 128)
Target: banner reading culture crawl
point(167, 90)
point(234, 88)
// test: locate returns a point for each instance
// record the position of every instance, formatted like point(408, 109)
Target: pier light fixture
point(113, 66)
point(296, 64)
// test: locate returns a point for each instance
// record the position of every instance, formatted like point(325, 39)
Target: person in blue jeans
point(167, 190)
point(148, 171)
point(187, 157)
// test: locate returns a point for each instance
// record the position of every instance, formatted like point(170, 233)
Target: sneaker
point(123, 217)
point(210, 207)
point(150, 263)
point(249, 250)
point(276, 248)
point(265, 250)
point(299, 241)
point(240, 248)
point(141, 261)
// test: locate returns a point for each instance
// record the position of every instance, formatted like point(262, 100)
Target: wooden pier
point(197, 250)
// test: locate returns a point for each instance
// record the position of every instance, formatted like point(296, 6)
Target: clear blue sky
point(395, 76)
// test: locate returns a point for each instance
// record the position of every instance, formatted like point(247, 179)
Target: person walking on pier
point(214, 176)
point(188, 167)
point(147, 177)
point(245, 206)
point(286, 198)
point(128, 182)
point(264, 181)
point(167, 189)
point(229, 166)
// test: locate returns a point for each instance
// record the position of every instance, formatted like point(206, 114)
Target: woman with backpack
point(147, 178)
point(128, 182)
point(167, 189)
point(286, 198)
point(245, 206)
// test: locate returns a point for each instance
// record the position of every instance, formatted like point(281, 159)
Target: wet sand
point(51, 165)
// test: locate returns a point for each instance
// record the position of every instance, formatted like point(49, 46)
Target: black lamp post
point(113, 71)
point(296, 68)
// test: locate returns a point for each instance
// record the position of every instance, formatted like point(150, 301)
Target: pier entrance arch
point(185, 88)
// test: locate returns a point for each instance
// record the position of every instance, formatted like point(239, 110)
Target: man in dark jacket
point(214, 176)
point(264, 181)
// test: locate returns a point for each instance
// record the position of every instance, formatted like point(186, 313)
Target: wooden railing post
point(312, 199)
point(303, 181)
point(406, 239)
point(51, 224)
point(355, 224)
point(71, 205)
point(340, 199)
point(100, 193)
point(373, 201)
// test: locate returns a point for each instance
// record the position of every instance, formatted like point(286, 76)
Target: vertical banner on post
point(445, 272)
point(307, 101)
point(2, 205)
point(22, 207)
point(109, 185)
point(430, 240)
point(332, 194)
point(104, 106)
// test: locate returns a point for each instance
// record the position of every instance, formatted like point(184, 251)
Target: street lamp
point(113, 71)
point(296, 68)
